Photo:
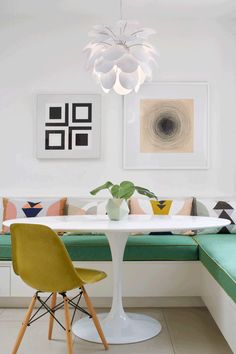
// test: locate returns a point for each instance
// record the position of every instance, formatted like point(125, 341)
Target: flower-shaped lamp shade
point(120, 56)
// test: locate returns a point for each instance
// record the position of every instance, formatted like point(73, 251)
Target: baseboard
point(173, 301)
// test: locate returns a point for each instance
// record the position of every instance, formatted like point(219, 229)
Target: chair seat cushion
point(217, 253)
point(90, 275)
point(138, 248)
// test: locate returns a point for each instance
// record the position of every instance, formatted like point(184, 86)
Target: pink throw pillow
point(14, 208)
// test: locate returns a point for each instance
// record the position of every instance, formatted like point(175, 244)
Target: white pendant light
point(120, 56)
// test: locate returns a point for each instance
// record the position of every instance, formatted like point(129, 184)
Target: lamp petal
point(99, 30)
point(140, 53)
point(141, 76)
point(129, 81)
point(153, 53)
point(108, 80)
point(137, 88)
point(146, 69)
point(127, 63)
point(114, 52)
point(105, 90)
point(103, 66)
point(119, 89)
point(93, 57)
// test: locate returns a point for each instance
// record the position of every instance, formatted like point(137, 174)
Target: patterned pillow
point(85, 206)
point(14, 208)
point(162, 207)
point(225, 209)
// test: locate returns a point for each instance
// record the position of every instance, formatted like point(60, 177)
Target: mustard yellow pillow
point(140, 206)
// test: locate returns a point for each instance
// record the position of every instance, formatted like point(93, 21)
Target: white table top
point(134, 223)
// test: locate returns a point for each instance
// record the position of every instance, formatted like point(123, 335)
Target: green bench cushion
point(218, 254)
point(138, 248)
point(5, 247)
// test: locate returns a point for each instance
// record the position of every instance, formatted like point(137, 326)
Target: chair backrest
point(41, 259)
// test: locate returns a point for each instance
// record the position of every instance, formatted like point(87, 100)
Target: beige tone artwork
point(166, 125)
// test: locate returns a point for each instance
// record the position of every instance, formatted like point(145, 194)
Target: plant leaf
point(146, 192)
point(127, 189)
point(126, 184)
point(106, 185)
point(115, 191)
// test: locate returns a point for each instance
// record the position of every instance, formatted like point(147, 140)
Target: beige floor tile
point(19, 314)
point(160, 344)
point(188, 331)
point(154, 312)
point(35, 339)
point(194, 331)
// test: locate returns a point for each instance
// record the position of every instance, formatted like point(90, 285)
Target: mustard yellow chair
point(41, 260)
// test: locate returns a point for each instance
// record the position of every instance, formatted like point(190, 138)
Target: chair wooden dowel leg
point(51, 318)
point(68, 326)
point(24, 326)
point(94, 317)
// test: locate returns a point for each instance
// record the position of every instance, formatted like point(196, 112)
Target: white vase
point(117, 209)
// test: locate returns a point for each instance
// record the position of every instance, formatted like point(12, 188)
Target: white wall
point(44, 55)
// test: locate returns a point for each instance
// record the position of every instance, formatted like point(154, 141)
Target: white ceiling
point(140, 9)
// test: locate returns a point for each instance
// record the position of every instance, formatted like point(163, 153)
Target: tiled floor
point(184, 331)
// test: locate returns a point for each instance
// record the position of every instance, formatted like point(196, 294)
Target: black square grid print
point(69, 117)
point(68, 126)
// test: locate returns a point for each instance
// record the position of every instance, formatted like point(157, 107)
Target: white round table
point(120, 327)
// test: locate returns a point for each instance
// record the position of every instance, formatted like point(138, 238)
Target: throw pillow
point(85, 206)
point(14, 208)
point(162, 207)
point(221, 208)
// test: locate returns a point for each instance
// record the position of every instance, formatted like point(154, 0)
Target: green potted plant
point(117, 207)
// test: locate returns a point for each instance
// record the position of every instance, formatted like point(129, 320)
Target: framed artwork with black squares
point(68, 126)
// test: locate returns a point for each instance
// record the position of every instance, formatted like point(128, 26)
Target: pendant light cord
point(121, 10)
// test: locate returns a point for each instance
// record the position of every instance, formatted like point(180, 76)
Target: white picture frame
point(68, 126)
point(197, 156)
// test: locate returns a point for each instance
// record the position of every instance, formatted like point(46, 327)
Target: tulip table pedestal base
point(118, 326)
point(131, 328)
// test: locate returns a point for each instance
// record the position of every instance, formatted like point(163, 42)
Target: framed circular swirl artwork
point(166, 127)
